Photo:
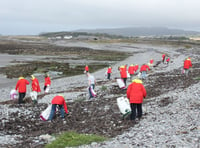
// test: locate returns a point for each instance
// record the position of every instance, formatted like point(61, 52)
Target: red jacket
point(47, 81)
point(123, 72)
point(21, 85)
point(86, 68)
point(144, 68)
point(60, 100)
point(131, 69)
point(136, 92)
point(168, 59)
point(151, 61)
point(35, 85)
point(163, 56)
point(187, 64)
point(136, 67)
point(109, 70)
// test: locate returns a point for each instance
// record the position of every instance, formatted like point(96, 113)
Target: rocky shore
point(171, 109)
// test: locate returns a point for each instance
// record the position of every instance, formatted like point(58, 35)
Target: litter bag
point(47, 89)
point(33, 95)
point(46, 113)
point(94, 94)
point(124, 105)
point(13, 94)
point(121, 84)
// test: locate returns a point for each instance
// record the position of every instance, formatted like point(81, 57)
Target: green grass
point(72, 139)
point(103, 88)
point(198, 78)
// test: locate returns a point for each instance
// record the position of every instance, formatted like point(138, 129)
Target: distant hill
point(141, 31)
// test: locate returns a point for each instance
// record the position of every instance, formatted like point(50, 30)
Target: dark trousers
point(124, 80)
point(90, 93)
point(45, 88)
point(21, 97)
point(108, 76)
point(135, 106)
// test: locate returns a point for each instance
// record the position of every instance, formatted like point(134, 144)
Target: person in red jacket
point(151, 62)
point(35, 88)
point(60, 101)
point(109, 71)
point(143, 70)
point(136, 67)
point(187, 65)
point(86, 68)
point(21, 87)
point(163, 58)
point(123, 73)
point(167, 60)
point(47, 83)
point(135, 93)
point(131, 71)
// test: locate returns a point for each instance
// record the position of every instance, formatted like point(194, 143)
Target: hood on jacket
point(21, 78)
point(137, 81)
point(32, 77)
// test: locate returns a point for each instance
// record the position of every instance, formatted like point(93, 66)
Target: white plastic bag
point(47, 89)
point(46, 113)
point(33, 95)
point(128, 74)
point(121, 84)
point(139, 75)
point(124, 105)
point(94, 94)
point(13, 94)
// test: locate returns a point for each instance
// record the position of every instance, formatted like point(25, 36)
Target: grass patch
point(72, 139)
point(103, 88)
point(198, 78)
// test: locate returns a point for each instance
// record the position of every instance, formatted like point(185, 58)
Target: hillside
point(141, 31)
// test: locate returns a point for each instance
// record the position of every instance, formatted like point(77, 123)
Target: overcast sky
point(30, 17)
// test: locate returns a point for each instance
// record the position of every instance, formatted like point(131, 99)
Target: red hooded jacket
point(123, 72)
point(35, 85)
point(151, 61)
point(187, 64)
point(144, 68)
point(21, 85)
point(86, 68)
point(47, 81)
point(109, 70)
point(60, 100)
point(136, 92)
point(136, 67)
point(131, 69)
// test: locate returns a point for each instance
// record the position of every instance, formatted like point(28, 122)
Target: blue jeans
point(53, 109)
point(144, 73)
point(90, 93)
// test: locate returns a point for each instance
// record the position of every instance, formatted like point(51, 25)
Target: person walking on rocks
point(60, 101)
point(86, 68)
point(123, 73)
point(167, 60)
point(21, 87)
point(187, 65)
point(47, 83)
point(35, 88)
point(143, 70)
point(151, 62)
point(163, 58)
point(109, 71)
point(91, 84)
point(135, 93)
point(131, 70)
